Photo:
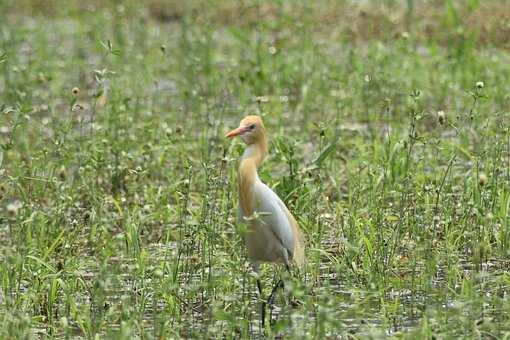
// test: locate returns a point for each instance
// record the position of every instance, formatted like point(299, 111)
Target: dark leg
point(270, 300)
point(262, 304)
point(279, 284)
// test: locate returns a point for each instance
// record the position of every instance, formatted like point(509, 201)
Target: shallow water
point(346, 307)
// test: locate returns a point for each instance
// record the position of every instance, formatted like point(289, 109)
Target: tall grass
point(118, 198)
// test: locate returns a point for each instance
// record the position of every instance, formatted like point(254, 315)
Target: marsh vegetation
point(390, 143)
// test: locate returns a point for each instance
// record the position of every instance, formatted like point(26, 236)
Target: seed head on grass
point(62, 173)
point(482, 179)
point(13, 207)
point(77, 107)
point(262, 99)
point(64, 322)
point(441, 117)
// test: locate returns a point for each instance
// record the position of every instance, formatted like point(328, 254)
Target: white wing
point(272, 215)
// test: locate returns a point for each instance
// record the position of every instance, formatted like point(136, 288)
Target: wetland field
point(389, 128)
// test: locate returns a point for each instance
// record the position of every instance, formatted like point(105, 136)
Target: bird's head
point(251, 130)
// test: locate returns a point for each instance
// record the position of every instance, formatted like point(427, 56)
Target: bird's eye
point(252, 126)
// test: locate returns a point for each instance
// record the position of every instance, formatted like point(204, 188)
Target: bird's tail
point(298, 254)
point(299, 251)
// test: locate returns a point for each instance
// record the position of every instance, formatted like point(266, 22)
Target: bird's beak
point(240, 130)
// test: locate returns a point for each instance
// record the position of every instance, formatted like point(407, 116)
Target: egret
point(272, 235)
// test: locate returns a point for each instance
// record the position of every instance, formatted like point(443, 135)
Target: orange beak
point(240, 130)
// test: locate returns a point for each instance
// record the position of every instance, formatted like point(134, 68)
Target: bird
point(273, 234)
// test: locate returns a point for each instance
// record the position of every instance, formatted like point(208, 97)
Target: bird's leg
point(261, 298)
point(270, 300)
point(262, 304)
point(279, 284)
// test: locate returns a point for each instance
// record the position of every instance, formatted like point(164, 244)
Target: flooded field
point(389, 140)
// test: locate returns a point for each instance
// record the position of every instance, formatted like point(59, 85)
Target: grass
point(391, 146)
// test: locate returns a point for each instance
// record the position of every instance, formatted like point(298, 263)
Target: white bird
point(273, 234)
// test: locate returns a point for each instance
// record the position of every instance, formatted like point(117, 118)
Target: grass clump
point(117, 187)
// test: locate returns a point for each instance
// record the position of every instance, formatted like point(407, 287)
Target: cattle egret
point(273, 234)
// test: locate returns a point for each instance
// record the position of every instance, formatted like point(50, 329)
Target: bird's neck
point(252, 158)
